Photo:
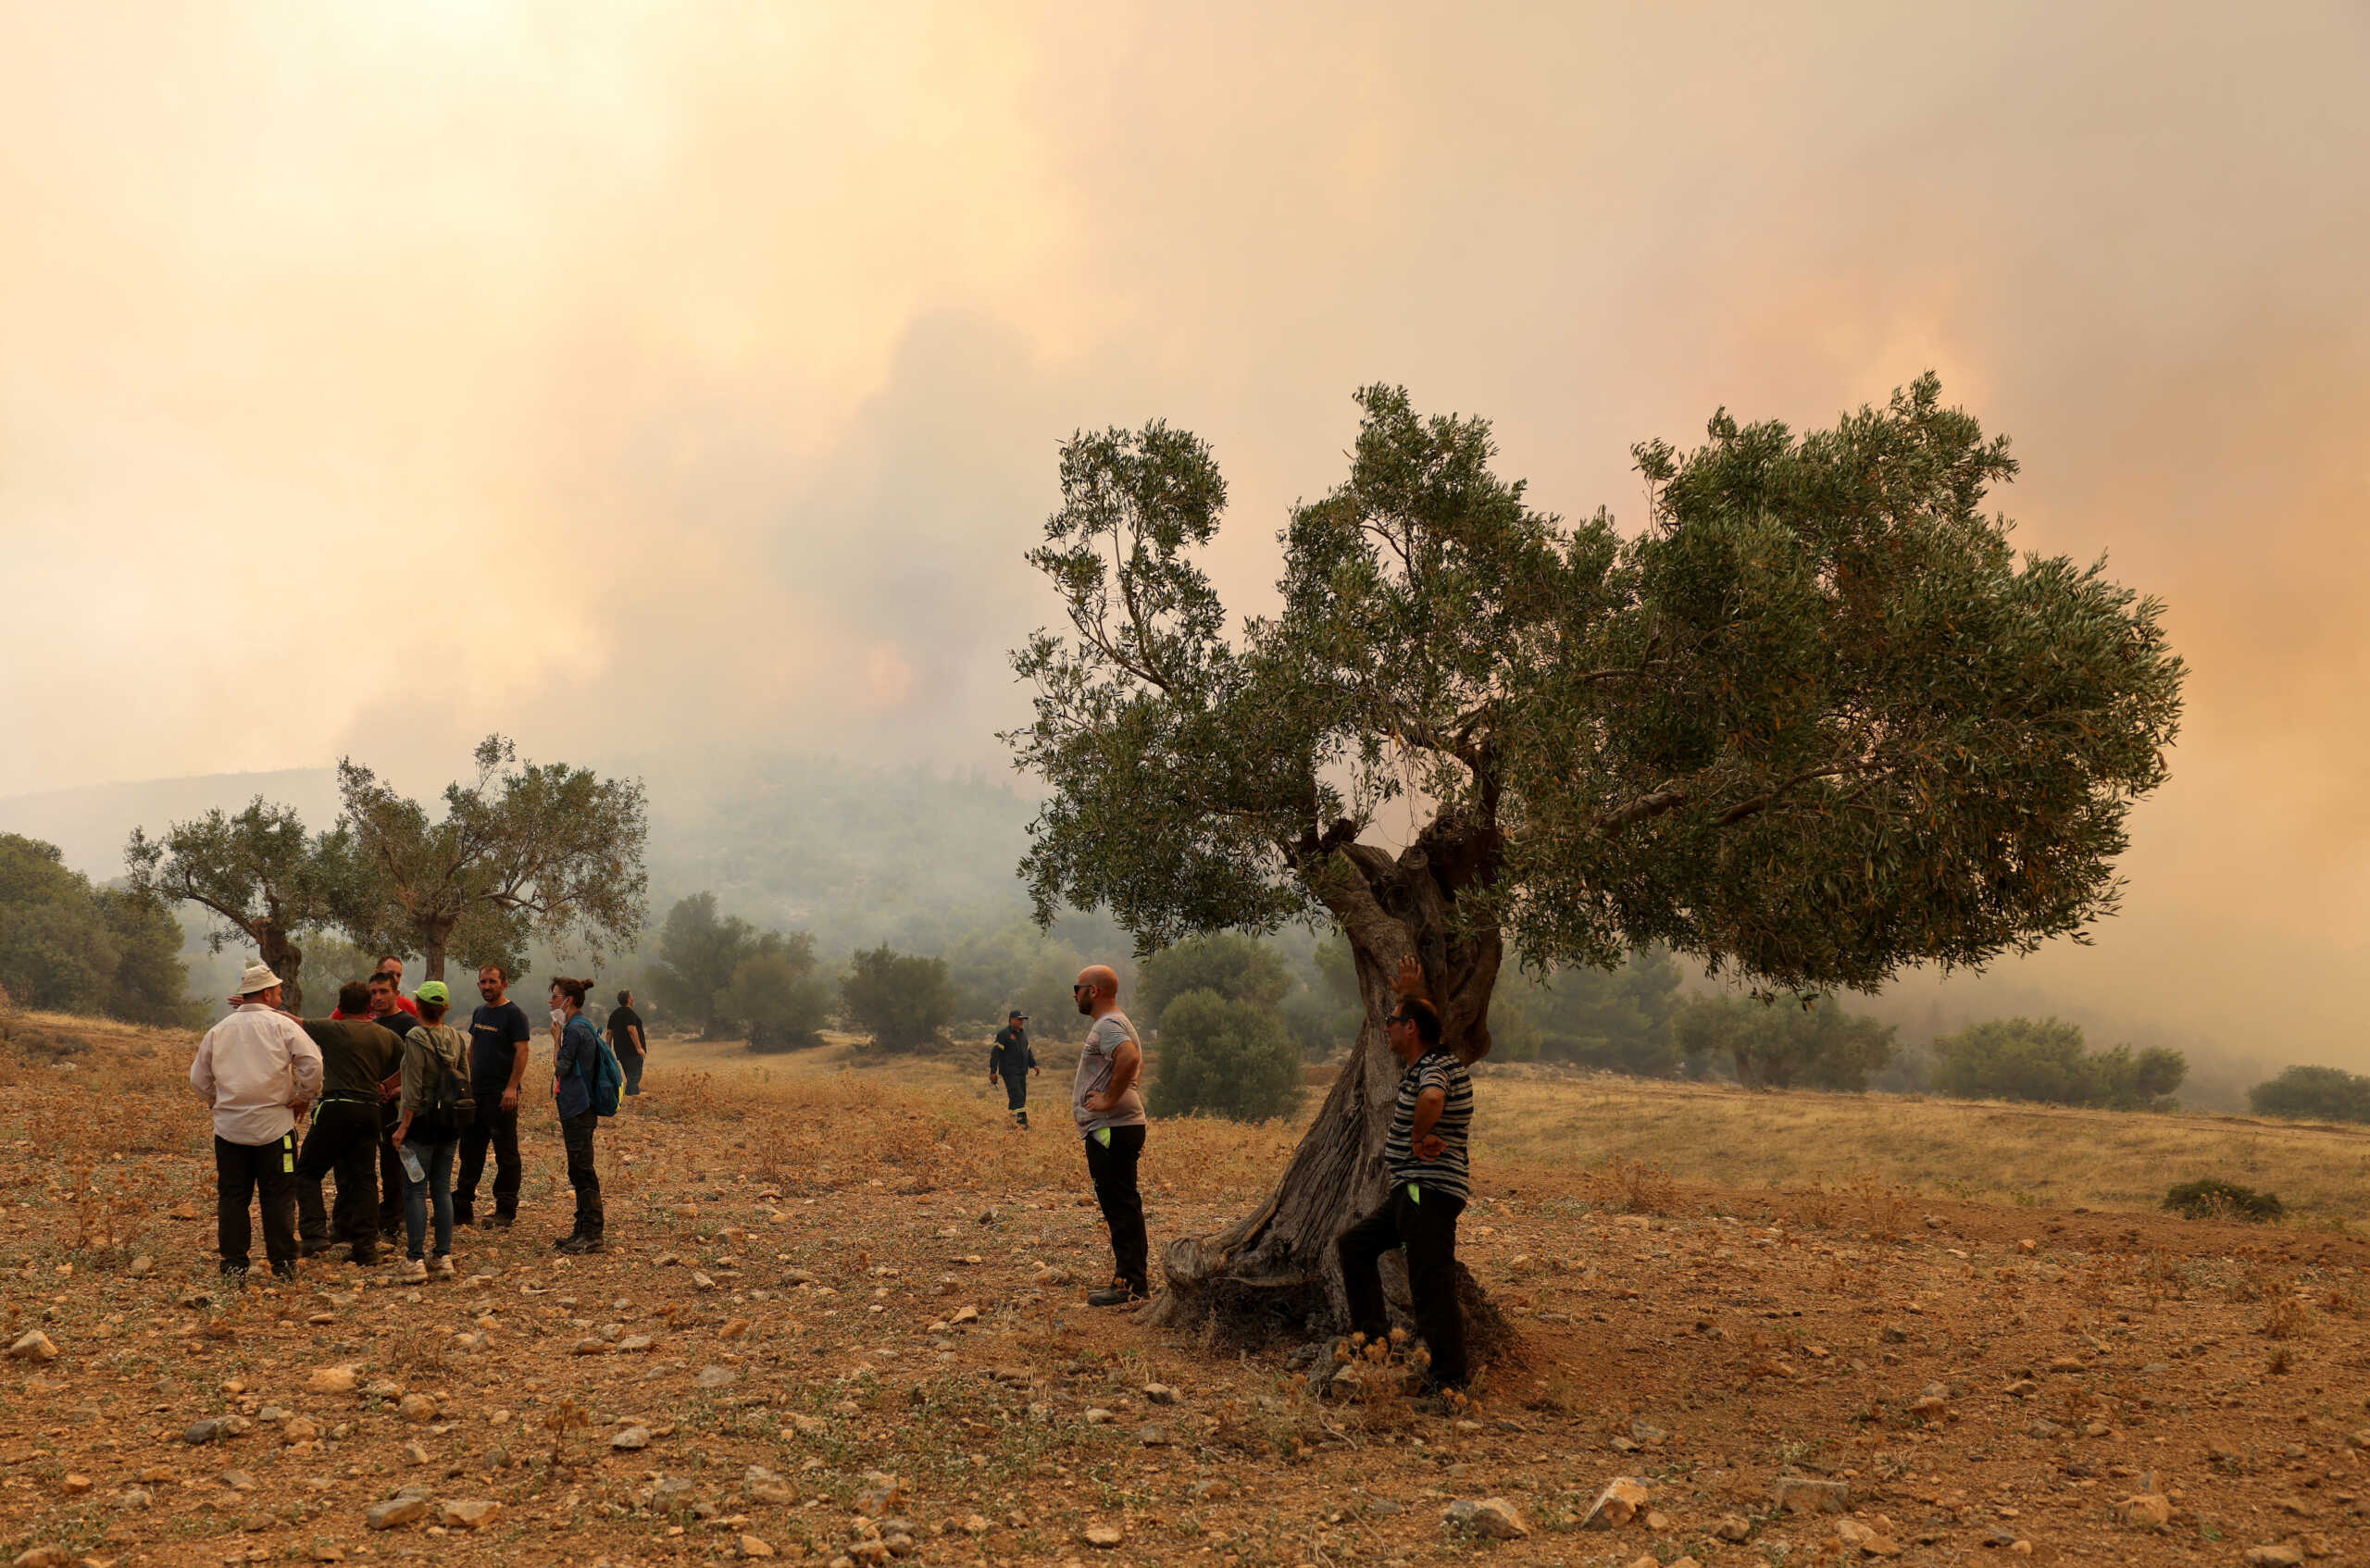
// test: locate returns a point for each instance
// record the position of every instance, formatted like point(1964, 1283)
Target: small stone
point(701, 1279)
point(1153, 1437)
point(142, 1266)
point(1492, 1517)
point(139, 1497)
point(1159, 1394)
point(1732, 1527)
point(1894, 1334)
point(755, 1545)
point(965, 1314)
point(2147, 1510)
point(718, 1376)
point(1799, 1494)
point(331, 1380)
point(408, 1509)
point(467, 1515)
point(238, 1480)
point(1098, 1416)
point(629, 1344)
point(202, 1432)
point(2279, 1556)
point(43, 1557)
point(973, 1525)
point(1104, 1535)
point(1618, 1504)
point(633, 1437)
point(2022, 1387)
point(415, 1454)
point(417, 1408)
point(734, 1329)
point(34, 1346)
point(75, 1485)
point(1211, 1489)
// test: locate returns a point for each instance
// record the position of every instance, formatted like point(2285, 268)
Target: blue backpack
point(606, 1079)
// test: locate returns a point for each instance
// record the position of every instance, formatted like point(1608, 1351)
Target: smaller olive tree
point(2044, 1061)
point(2313, 1094)
point(1228, 1058)
point(776, 995)
point(1786, 1044)
point(1237, 967)
point(900, 999)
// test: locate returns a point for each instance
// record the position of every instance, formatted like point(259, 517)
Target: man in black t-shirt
point(626, 1040)
point(499, 1041)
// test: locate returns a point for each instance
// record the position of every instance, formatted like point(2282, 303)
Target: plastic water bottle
point(412, 1167)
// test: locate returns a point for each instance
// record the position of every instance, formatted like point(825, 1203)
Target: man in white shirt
point(259, 1070)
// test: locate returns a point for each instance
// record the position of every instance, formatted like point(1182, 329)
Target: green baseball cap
point(432, 991)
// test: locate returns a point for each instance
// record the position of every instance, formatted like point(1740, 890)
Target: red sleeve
point(407, 1004)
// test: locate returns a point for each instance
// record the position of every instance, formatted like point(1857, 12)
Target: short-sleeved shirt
point(1096, 1065)
point(357, 1054)
point(1450, 1175)
point(495, 1035)
point(620, 1020)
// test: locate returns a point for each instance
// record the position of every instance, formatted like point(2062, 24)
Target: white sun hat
point(256, 977)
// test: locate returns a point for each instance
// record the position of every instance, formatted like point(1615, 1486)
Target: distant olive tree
point(900, 999)
point(1226, 1057)
point(2313, 1094)
point(1228, 963)
point(261, 876)
point(521, 850)
point(2044, 1061)
point(1812, 1043)
point(68, 947)
point(1815, 721)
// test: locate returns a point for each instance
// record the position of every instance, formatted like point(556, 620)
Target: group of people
point(384, 1073)
point(1424, 1158)
point(397, 1098)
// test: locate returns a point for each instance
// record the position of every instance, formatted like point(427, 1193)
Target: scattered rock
point(43, 1557)
point(1867, 1538)
point(754, 1546)
point(34, 1346)
point(75, 1485)
point(1153, 1437)
point(2022, 1387)
point(2147, 1510)
point(633, 1437)
point(467, 1515)
point(202, 1432)
point(1492, 1517)
point(1104, 1535)
point(2280, 1556)
point(1732, 1527)
point(1159, 1394)
point(718, 1376)
point(407, 1509)
point(142, 1266)
point(1618, 1504)
point(1211, 1489)
point(965, 1314)
point(417, 1408)
point(1801, 1494)
point(974, 1524)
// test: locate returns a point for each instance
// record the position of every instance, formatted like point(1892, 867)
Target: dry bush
point(1881, 1207)
point(2285, 1319)
point(1636, 1188)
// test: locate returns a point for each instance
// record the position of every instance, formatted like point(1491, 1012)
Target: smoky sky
point(659, 377)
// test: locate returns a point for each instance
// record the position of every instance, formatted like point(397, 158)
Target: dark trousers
point(344, 1140)
point(499, 1129)
point(630, 1061)
point(391, 1171)
point(1016, 1096)
point(1114, 1171)
point(576, 1133)
point(242, 1173)
point(1426, 1229)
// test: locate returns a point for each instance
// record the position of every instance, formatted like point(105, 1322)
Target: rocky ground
point(842, 1319)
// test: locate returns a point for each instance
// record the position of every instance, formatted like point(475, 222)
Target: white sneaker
point(415, 1268)
point(444, 1269)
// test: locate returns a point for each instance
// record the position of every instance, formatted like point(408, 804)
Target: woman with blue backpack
point(584, 1083)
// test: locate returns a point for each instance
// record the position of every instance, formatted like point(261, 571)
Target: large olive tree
point(1814, 722)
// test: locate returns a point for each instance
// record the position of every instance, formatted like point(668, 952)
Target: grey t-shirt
point(1094, 1067)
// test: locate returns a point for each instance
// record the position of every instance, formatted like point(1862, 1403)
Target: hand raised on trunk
point(1410, 978)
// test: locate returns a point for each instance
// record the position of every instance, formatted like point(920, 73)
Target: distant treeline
point(68, 947)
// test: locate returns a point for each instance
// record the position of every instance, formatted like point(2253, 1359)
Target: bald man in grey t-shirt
point(1110, 1111)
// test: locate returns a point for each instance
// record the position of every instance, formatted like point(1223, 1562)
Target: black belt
point(339, 1097)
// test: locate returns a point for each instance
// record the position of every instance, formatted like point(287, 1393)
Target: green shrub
point(900, 999)
point(2211, 1198)
point(1237, 967)
point(2021, 1059)
point(1231, 1058)
point(2313, 1094)
point(1785, 1045)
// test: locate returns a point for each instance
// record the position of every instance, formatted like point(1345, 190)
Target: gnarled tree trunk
point(285, 959)
point(1273, 1273)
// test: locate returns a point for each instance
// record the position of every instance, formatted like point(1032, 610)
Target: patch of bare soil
point(842, 1318)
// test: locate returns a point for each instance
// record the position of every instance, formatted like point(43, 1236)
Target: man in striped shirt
point(1424, 1158)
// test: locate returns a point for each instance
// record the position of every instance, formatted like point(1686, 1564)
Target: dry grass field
point(842, 1318)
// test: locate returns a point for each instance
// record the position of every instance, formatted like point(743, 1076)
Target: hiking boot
point(463, 1219)
point(499, 1220)
point(577, 1246)
point(315, 1249)
point(284, 1272)
point(366, 1256)
point(1118, 1293)
point(414, 1268)
point(442, 1269)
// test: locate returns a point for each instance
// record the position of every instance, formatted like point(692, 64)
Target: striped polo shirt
point(1449, 1176)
